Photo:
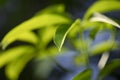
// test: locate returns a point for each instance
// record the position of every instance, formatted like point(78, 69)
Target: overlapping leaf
point(32, 24)
point(102, 6)
point(13, 53)
point(46, 35)
point(14, 68)
point(103, 47)
point(26, 36)
point(101, 18)
point(62, 32)
point(85, 75)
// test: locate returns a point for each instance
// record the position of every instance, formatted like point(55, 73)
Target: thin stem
point(83, 49)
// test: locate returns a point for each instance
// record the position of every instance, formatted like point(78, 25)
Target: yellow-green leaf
point(35, 23)
point(27, 36)
point(13, 53)
point(84, 75)
point(14, 68)
point(103, 47)
point(102, 6)
point(46, 35)
point(53, 9)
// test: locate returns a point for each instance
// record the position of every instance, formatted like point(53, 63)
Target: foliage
point(53, 23)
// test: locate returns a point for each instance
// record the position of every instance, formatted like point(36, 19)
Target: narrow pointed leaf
point(102, 6)
point(35, 23)
point(85, 75)
point(101, 18)
point(14, 68)
point(46, 35)
point(62, 32)
point(13, 53)
point(27, 36)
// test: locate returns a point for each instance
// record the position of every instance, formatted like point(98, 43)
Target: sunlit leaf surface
point(102, 6)
point(13, 53)
point(84, 75)
point(103, 47)
point(101, 18)
point(14, 68)
point(32, 24)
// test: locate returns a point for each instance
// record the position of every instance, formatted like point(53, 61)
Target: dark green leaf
point(85, 75)
point(94, 32)
point(62, 32)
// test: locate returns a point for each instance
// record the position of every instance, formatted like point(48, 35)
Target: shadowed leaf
point(84, 75)
point(109, 68)
point(62, 32)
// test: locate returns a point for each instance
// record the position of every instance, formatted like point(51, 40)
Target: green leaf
point(101, 18)
point(102, 6)
point(46, 35)
point(103, 47)
point(85, 75)
point(35, 23)
point(62, 32)
point(13, 53)
point(27, 36)
point(81, 60)
point(53, 9)
point(14, 68)
point(47, 53)
point(109, 68)
point(94, 32)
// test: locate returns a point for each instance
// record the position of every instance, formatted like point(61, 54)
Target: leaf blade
point(14, 68)
point(98, 7)
point(27, 36)
point(61, 34)
point(101, 18)
point(84, 75)
point(13, 53)
point(35, 23)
